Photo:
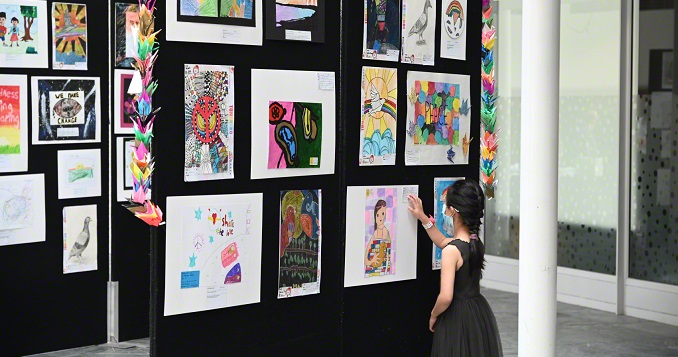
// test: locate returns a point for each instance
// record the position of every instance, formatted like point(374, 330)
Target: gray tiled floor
point(587, 332)
point(122, 349)
point(581, 332)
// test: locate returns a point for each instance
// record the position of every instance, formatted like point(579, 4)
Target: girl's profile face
point(380, 217)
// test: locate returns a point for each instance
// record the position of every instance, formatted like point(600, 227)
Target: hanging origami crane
point(143, 85)
point(488, 109)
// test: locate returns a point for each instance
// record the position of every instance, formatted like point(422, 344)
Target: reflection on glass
point(653, 238)
point(588, 141)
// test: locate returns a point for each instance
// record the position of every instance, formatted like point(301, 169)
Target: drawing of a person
point(14, 32)
point(3, 29)
point(380, 27)
point(377, 256)
point(131, 20)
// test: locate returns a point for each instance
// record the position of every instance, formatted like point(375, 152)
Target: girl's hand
point(432, 322)
point(415, 207)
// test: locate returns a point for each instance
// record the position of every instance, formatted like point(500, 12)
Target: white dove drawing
point(421, 24)
point(375, 100)
point(81, 242)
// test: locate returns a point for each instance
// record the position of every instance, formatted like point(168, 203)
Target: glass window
point(589, 134)
point(653, 238)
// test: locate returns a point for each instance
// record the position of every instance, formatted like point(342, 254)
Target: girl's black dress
point(468, 327)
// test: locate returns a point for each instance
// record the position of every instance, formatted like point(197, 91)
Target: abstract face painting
point(295, 134)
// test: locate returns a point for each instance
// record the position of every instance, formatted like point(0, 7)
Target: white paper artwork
point(399, 228)
point(80, 238)
point(24, 41)
point(288, 87)
point(66, 110)
point(419, 38)
point(79, 173)
point(213, 257)
point(209, 117)
point(207, 29)
point(125, 148)
point(453, 29)
point(22, 209)
point(438, 118)
point(13, 123)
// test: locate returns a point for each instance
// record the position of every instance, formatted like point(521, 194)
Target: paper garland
point(488, 109)
point(143, 86)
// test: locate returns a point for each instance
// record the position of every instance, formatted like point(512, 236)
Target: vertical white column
point(539, 178)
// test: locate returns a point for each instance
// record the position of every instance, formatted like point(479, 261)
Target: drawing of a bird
point(82, 241)
point(421, 24)
point(375, 100)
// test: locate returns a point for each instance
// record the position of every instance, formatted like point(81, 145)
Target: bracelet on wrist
point(427, 225)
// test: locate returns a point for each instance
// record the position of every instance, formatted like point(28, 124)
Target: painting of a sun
point(70, 36)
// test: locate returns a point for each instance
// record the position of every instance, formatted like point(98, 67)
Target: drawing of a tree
point(30, 13)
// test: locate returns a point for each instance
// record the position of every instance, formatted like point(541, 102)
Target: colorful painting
point(297, 20)
point(295, 134)
point(23, 33)
point(380, 231)
point(224, 12)
point(213, 255)
point(208, 119)
point(299, 263)
point(453, 33)
point(443, 222)
point(378, 123)
point(212, 250)
point(436, 113)
point(80, 238)
point(126, 16)
point(123, 102)
point(69, 32)
point(66, 110)
point(13, 123)
point(10, 119)
point(381, 30)
point(438, 119)
point(419, 24)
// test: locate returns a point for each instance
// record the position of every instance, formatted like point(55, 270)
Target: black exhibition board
point(307, 325)
point(41, 308)
point(395, 323)
point(130, 243)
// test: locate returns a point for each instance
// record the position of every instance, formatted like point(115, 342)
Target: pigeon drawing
point(421, 24)
point(81, 242)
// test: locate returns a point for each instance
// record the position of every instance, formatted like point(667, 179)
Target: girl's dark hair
point(468, 199)
point(377, 207)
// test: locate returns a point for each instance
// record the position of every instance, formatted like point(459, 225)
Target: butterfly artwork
point(464, 108)
point(411, 129)
point(450, 155)
point(465, 144)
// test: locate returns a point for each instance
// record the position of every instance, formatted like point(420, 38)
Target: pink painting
point(380, 231)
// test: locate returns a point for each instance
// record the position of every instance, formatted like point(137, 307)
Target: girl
point(14, 32)
point(465, 325)
point(377, 256)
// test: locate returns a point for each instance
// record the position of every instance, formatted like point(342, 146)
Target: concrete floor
point(580, 332)
point(588, 332)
